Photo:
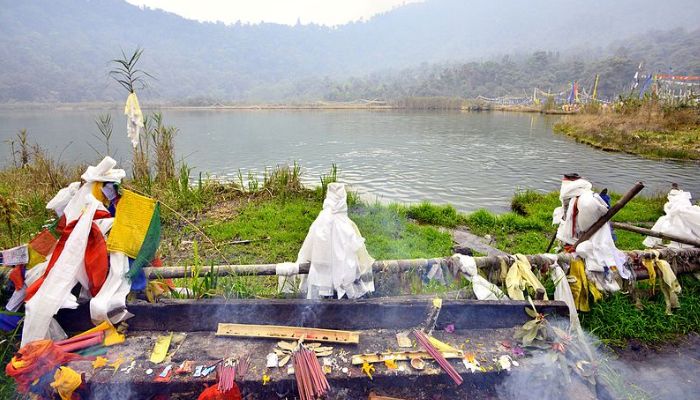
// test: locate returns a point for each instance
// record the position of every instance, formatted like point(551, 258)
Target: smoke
point(113, 392)
point(584, 369)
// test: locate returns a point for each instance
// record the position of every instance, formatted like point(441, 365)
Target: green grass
point(432, 214)
point(616, 320)
point(681, 144)
point(529, 227)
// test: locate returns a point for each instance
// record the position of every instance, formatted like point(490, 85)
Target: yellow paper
point(65, 381)
point(134, 214)
point(160, 350)
point(113, 337)
point(99, 362)
point(442, 346)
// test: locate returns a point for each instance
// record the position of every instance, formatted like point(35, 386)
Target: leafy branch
point(126, 73)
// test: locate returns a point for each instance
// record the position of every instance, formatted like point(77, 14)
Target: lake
point(469, 160)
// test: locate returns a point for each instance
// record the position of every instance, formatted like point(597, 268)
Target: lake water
point(469, 160)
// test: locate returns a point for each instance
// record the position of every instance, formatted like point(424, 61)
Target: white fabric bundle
point(483, 289)
point(112, 295)
point(287, 269)
point(562, 292)
point(102, 172)
point(61, 199)
point(55, 292)
point(599, 251)
point(335, 248)
point(134, 118)
point(682, 219)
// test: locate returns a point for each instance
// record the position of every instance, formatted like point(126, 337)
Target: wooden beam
point(611, 212)
point(288, 332)
point(387, 266)
point(657, 234)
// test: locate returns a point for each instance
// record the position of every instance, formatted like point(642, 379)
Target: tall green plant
point(127, 74)
point(163, 147)
point(105, 128)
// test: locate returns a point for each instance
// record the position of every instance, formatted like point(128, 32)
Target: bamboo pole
point(611, 212)
point(692, 256)
point(657, 234)
point(690, 263)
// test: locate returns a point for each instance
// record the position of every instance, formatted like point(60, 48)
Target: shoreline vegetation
point(409, 104)
point(643, 127)
point(265, 218)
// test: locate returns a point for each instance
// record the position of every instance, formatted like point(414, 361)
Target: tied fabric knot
point(287, 269)
point(483, 289)
point(520, 277)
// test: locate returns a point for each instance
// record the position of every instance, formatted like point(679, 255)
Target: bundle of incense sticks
point(422, 339)
point(311, 381)
point(81, 342)
point(228, 370)
point(227, 376)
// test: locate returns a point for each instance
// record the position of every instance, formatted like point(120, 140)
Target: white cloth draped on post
point(112, 295)
point(134, 118)
point(340, 263)
point(562, 292)
point(483, 289)
point(61, 199)
point(580, 209)
point(102, 172)
point(682, 219)
point(55, 292)
point(78, 202)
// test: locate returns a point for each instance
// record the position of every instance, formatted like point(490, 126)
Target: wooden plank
point(288, 332)
point(359, 359)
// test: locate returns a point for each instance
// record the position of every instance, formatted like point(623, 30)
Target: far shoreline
point(320, 106)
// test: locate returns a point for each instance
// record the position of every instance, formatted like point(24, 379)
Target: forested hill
point(58, 50)
point(674, 51)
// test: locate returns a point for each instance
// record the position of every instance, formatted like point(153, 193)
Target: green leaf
point(531, 312)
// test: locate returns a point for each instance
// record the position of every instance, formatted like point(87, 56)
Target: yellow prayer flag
point(134, 214)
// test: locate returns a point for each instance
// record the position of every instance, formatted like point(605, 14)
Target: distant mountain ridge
point(59, 50)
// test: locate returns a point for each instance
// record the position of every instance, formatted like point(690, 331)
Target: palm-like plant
point(126, 73)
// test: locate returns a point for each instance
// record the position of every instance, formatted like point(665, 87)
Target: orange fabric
point(213, 393)
point(17, 277)
point(34, 360)
point(96, 258)
point(43, 243)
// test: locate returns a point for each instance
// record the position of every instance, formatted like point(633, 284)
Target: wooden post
point(611, 212)
point(657, 234)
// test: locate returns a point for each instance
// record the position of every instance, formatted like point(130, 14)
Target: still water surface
point(470, 160)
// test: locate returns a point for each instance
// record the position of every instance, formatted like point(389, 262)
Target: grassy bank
point(265, 220)
point(646, 128)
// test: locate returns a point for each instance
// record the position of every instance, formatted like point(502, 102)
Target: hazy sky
point(326, 12)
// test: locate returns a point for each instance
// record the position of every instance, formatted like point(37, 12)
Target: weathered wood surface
point(206, 349)
point(373, 313)
point(611, 213)
point(288, 332)
point(398, 266)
